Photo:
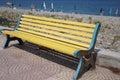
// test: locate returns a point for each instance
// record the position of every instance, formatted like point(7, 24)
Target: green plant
point(4, 22)
point(90, 19)
point(80, 20)
point(95, 22)
point(30, 13)
point(66, 17)
point(0, 13)
point(47, 15)
point(107, 26)
point(52, 16)
point(117, 36)
point(7, 23)
point(102, 30)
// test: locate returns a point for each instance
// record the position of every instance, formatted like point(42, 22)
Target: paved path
point(19, 64)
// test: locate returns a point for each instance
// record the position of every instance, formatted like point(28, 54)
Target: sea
point(91, 7)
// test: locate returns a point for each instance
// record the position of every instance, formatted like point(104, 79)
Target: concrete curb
point(108, 58)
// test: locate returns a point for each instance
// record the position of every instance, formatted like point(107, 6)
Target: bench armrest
point(4, 28)
point(79, 53)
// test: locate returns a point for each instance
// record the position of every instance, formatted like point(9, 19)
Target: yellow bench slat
point(58, 34)
point(44, 41)
point(58, 25)
point(59, 29)
point(57, 38)
point(60, 21)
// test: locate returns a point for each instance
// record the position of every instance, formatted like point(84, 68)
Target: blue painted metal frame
point(5, 29)
point(92, 42)
point(78, 69)
point(18, 21)
point(6, 38)
point(91, 46)
point(94, 36)
point(5, 41)
point(76, 52)
point(0, 31)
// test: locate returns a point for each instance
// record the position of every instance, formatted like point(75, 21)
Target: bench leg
point(79, 70)
point(8, 39)
point(83, 62)
point(92, 61)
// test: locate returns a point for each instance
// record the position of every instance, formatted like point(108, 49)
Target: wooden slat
point(58, 25)
point(70, 45)
point(60, 21)
point(57, 38)
point(58, 34)
point(39, 40)
point(76, 32)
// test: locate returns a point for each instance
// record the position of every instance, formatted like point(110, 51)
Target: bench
point(68, 37)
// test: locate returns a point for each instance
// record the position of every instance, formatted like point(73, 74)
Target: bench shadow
point(49, 54)
point(54, 56)
point(96, 53)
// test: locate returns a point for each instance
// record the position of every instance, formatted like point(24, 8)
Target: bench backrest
point(82, 35)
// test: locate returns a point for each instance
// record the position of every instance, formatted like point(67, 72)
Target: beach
point(109, 34)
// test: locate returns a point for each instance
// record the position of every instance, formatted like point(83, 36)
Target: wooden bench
point(69, 37)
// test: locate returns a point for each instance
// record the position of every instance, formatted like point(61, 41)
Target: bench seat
point(44, 41)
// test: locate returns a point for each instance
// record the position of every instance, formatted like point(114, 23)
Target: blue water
point(79, 6)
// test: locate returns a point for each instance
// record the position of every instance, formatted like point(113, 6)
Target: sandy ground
point(21, 63)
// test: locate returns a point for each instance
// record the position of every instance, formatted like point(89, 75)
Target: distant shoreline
point(29, 10)
point(89, 7)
